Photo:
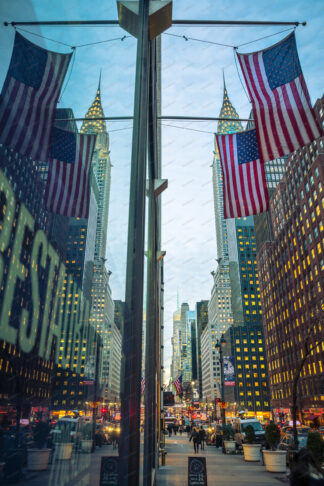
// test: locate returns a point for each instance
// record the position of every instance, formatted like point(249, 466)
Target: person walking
point(202, 437)
point(195, 439)
point(188, 430)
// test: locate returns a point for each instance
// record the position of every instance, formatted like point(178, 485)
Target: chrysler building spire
point(90, 124)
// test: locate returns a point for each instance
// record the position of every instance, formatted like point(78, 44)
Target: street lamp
point(219, 347)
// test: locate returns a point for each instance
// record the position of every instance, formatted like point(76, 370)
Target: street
point(225, 470)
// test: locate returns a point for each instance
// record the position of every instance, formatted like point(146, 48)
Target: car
point(239, 425)
point(68, 428)
point(288, 429)
point(287, 443)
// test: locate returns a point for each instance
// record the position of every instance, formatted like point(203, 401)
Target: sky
point(192, 85)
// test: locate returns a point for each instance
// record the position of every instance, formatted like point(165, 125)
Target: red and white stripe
point(284, 118)
point(27, 114)
point(68, 185)
point(244, 186)
point(142, 386)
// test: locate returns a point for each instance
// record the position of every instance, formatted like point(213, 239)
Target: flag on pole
point(142, 385)
point(68, 182)
point(244, 185)
point(283, 114)
point(178, 385)
point(29, 97)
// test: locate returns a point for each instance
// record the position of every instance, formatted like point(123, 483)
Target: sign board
point(197, 471)
point(168, 399)
point(229, 371)
point(109, 471)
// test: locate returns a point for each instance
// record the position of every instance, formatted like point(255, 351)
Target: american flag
point(284, 118)
point(68, 182)
point(244, 184)
point(142, 385)
point(178, 385)
point(29, 97)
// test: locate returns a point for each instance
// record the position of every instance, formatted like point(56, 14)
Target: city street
point(224, 470)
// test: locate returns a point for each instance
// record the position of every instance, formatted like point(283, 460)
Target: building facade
point(245, 344)
point(210, 366)
point(291, 268)
point(202, 321)
point(181, 345)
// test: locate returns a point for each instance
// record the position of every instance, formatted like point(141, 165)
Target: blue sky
point(191, 85)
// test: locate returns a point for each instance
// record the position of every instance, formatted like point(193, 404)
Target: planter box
point(230, 446)
point(252, 452)
point(275, 461)
point(86, 445)
point(37, 459)
point(63, 451)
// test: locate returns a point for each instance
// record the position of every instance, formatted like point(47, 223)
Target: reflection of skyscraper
point(102, 314)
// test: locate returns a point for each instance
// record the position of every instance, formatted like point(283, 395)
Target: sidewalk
point(222, 469)
point(82, 470)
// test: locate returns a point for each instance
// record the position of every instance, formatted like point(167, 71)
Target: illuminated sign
point(57, 312)
point(229, 371)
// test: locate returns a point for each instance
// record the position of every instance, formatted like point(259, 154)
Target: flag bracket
point(159, 186)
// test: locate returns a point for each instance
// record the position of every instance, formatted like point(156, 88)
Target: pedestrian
point(195, 439)
point(188, 430)
point(114, 438)
point(202, 437)
point(170, 429)
point(306, 471)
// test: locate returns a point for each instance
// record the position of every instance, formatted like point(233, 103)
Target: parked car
point(288, 429)
point(287, 441)
point(73, 425)
point(239, 425)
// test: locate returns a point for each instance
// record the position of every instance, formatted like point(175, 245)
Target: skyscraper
point(102, 313)
point(202, 321)
point(220, 308)
point(235, 297)
point(181, 345)
point(292, 273)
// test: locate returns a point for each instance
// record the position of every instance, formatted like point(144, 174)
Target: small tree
point(272, 435)
point(315, 444)
point(250, 435)
point(228, 432)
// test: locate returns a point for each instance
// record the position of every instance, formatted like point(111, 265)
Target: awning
point(311, 417)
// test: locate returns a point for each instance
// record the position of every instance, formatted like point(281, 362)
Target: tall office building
point(291, 270)
point(102, 313)
point(235, 297)
point(210, 367)
point(181, 345)
point(22, 374)
point(202, 321)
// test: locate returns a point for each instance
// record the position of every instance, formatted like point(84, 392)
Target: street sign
point(197, 471)
point(109, 471)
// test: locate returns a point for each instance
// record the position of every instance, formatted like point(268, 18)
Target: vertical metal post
point(132, 335)
point(153, 283)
